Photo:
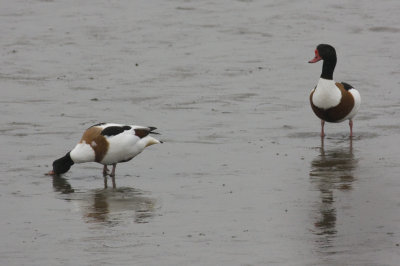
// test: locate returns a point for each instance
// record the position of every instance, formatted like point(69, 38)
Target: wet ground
point(243, 177)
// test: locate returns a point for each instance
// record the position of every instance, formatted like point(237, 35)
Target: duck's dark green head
point(62, 165)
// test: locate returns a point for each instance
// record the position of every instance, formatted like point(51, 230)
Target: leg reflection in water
point(331, 171)
point(108, 206)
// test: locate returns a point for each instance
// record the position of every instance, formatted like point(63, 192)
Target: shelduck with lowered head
point(332, 101)
point(107, 144)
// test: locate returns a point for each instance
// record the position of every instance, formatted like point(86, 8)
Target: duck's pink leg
point(322, 128)
point(351, 127)
point(105, 173)
point(113, 175)
point(105, 170)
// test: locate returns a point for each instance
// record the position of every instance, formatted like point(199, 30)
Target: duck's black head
point(326, 53)
point(62, 165)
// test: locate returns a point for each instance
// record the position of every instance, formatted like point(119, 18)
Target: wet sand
point(243, 177)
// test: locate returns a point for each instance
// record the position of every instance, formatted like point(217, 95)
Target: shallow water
point(243, 177)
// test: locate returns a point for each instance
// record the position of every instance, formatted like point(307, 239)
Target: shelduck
point(107, 144)
point(332, 101)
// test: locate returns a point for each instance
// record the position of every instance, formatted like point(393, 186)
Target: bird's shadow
point(108, 206)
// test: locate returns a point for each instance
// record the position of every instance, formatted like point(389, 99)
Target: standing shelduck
point(107, 144)
point(330, 101)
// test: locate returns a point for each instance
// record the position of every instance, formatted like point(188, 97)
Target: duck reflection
point(60, 184)
point(109, 206)
point(332, 170)
point(113, 206)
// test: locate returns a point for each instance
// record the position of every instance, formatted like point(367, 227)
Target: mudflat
point(243, 177)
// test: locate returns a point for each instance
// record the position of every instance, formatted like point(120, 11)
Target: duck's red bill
point(316, 58)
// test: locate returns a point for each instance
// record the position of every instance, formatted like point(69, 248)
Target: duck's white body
point(327, 95)
point(107, 144)
point(121, 147)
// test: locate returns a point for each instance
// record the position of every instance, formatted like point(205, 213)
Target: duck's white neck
point(326, 94)
point(82, 153)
